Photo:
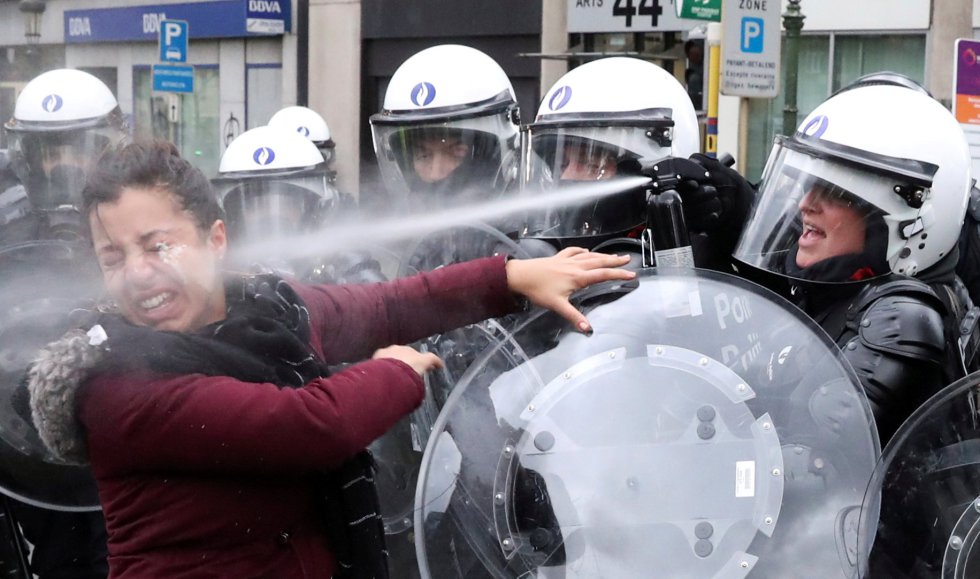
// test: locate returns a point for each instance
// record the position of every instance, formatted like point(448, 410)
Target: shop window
point(107, 74)
point(264, 82)
point(766, 115)
point(666, 49)
point(188, 120)
point(828, 62)
point(855, 56)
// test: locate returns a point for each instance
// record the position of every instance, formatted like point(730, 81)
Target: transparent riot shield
point(922, 510)
point(42, 283)
point(455, 245)
point(398, 453)
point(706, 429)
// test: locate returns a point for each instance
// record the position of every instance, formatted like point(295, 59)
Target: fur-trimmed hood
point(54, 378)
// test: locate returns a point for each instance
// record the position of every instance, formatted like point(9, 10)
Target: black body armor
point(899, 336)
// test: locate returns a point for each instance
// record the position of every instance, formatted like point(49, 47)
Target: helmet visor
point(54, 165)
point(557, 157)
point(822, 220)
point(448, 162)
point(273, 209)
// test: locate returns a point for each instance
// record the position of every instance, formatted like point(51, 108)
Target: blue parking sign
point(173, 40)
point(753, 38)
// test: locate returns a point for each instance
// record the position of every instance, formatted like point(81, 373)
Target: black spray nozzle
point(663, 174)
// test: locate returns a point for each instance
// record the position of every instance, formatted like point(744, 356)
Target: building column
point(554, 40)
point(951, 19)
point(231, 82)
point(335, 80)
point(290, 69)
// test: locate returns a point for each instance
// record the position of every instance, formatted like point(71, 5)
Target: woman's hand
point(419, 361)
point(549, 281)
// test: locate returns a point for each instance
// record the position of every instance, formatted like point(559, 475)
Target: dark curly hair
point(154, 164)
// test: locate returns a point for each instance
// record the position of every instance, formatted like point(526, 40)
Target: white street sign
point(625, 16)
point(750, 48)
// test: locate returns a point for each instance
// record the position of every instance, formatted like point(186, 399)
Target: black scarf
point(265, 338)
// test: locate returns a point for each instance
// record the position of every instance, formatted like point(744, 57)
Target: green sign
point(699, 9)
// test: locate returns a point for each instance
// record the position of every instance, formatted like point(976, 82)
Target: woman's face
point(159, 267)
point(831, 227)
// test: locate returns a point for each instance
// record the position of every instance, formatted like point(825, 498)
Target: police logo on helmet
point(560, 98)
point(264, 156)
point(52, 103)
point(423, 94)
point(816, 127)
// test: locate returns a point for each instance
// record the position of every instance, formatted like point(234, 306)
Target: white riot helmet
point(449, 127)
point(63, 121)
point(604, 119)
point(855, 194)
point(272, 184)
point(308, 123)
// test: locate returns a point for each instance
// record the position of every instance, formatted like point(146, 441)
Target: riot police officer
point(273, 184)
point(967, 281)
point(311, 125)
point(448, 132)
point(448, 135)
point(862, 219)
point(603, 121)
point(63, 120)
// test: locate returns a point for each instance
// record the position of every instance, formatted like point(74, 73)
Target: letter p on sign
point(171, 31)
point(752, 34)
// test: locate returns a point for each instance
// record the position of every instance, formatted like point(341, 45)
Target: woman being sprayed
point(202, 402)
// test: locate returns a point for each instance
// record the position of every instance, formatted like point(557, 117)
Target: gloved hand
point(716, 201)
point(716, 198)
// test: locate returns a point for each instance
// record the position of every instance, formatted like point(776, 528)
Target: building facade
point(242, 53)
point(840, 41)
point(252, 57)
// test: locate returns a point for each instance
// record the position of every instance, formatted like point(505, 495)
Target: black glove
point(717, 201)
point(716, 198)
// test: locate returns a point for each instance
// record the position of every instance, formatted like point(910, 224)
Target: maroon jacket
point(208, 476)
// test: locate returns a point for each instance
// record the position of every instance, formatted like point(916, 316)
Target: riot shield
point(41, 284)
point(706, 429)
point(455, 245)
point(922, 510)
point(398, 453)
